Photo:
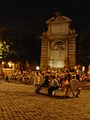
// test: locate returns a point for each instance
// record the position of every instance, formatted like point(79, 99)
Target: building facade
point(58, 43)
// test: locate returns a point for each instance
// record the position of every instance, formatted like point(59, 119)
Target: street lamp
point(37, 68)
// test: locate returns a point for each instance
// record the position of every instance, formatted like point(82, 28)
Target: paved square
point(20, 102)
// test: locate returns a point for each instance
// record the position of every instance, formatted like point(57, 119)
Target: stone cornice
point(60, 36)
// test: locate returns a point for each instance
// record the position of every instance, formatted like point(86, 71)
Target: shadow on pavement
point(52, 96)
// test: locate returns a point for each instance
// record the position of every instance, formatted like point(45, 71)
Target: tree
point(16, 46)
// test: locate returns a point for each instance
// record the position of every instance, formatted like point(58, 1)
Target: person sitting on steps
point(54, 84)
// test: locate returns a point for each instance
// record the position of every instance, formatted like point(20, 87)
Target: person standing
point(75, 86)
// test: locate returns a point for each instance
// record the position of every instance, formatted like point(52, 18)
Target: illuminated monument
point(58, 45)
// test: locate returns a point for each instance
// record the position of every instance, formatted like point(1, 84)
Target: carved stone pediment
point(58, 18)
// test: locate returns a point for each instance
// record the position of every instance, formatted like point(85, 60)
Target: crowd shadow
point(54, 96)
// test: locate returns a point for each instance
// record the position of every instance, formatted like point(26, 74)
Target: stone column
point(72, 52)
point(44, 52)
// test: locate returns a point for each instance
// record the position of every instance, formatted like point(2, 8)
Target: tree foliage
point(16, 46)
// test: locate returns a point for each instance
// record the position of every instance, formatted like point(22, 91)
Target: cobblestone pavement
point(20, 102)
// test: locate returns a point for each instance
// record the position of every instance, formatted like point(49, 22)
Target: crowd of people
point(51, 79)
point(70, 82)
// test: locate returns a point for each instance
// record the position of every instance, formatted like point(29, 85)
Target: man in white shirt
point(54, 84)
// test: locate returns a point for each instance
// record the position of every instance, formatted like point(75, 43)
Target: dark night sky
point(31, 15)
